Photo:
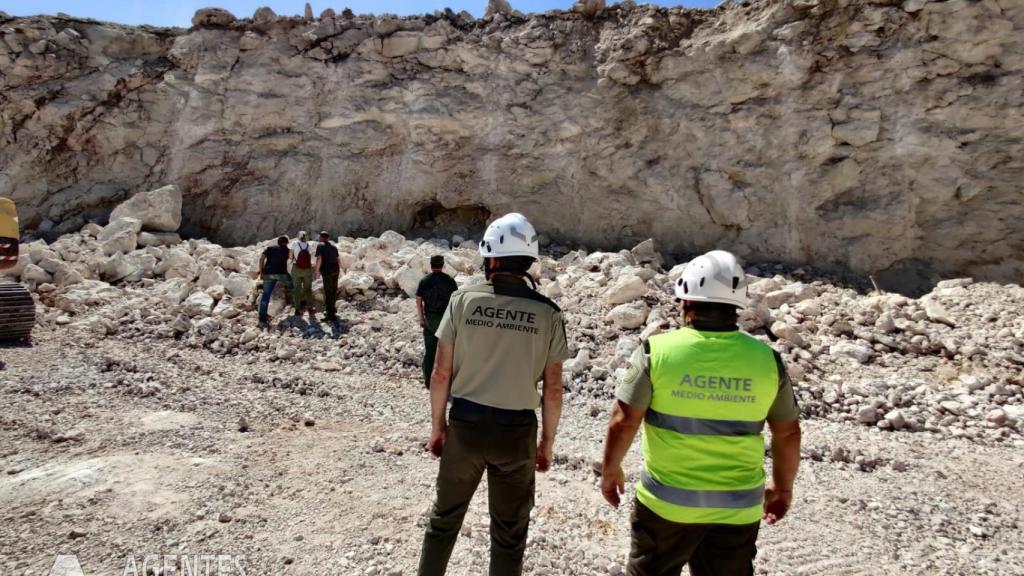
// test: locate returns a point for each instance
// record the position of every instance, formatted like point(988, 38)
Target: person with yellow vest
point(703, 394)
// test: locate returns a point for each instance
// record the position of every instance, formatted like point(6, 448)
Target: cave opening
point(437, 220)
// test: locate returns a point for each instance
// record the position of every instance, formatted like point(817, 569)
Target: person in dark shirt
point(431, 301)
point(274, 269)
point(327, 267)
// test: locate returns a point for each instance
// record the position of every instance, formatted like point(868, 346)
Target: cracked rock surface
point(876, 135)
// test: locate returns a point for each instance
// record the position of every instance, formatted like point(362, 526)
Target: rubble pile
point(949, 363)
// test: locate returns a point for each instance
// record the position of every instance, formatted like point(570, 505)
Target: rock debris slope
point(877, 135)
point(162, 421)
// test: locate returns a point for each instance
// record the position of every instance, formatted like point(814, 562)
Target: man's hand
point(776, 503)
point(423, 323)
point(545, 455)
point(436, 443)
point(613, 485)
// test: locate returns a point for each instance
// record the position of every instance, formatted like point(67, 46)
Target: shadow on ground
point(312, 328)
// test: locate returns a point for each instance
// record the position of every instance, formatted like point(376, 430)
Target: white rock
point(895, 419)
point(210, 277)
point(158, 209)
point(789, 333)
point(356, 282)
point(867, 415)
point(35, 274)
point(860, 352)
point(626, 289)
point(118, 226)
point(629, 316)
point(239, 286)
point(198, 304)
point(408, 279)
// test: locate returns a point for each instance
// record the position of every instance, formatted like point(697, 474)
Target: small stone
point(224, 518)
point(952, 407)
point(867, 415)
point(77, 533)
point(895, 419)
point(997, 417)
point(243, 424)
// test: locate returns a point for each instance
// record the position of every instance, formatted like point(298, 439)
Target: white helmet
point(510, 235)
point(714, 277)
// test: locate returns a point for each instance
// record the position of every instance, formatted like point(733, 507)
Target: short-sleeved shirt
point(504, 334)
point(636, 388)
point(436, 289)
point(298, 246)
point(328, 253)
point(277, 260)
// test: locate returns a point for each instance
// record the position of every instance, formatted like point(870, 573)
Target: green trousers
point(660, 547)
point(302, 280)
point(508, 454)
point(433, 321)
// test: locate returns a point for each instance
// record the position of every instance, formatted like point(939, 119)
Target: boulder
point(119, 226)
point(123, 243)
point(626, 289)
point(35, 275)
point(629, 316)
point(198, 304)
point(860, 352)
point(788, 333)
point(211, 277)
point(264, 15)
point(173, 291)
point(408, 279)
point(147, 239)
point(644, 252)
point(239, 286)
point(588, 8)
point(355, 282)
point(495, 7)
point(158, 210)
point(118, 267)
point(213, 17)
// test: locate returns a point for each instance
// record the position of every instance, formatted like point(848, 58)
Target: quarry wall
point(880, 136)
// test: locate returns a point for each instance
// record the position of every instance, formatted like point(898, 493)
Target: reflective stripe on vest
point(703, 498)
point(703, 426)
point(703, 451)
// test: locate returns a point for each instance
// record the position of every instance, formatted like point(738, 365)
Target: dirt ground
point(113, 450)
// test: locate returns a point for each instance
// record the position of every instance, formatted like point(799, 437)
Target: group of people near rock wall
point(308, 261)
point(703, 395)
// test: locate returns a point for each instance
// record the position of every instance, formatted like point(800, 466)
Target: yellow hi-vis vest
point(703, 451)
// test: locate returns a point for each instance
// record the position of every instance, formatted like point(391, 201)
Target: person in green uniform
point(432, 296)
point(496, 340)
point(703, 394)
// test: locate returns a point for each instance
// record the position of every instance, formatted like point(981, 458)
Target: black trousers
point(504, 444)
point(661, 547)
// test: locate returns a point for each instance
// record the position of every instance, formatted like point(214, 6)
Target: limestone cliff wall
point(878, 135)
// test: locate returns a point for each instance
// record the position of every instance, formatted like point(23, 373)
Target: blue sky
point(179, 12)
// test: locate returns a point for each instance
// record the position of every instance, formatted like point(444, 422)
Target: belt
point(468, 411)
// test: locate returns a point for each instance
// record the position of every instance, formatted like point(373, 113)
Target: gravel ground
point(116, 448)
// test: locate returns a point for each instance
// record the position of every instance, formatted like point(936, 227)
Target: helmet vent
point(502, 239)
point(702, 282)
point(686, 288)
point(735, 282)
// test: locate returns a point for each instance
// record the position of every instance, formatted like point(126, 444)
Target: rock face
point(878, 136)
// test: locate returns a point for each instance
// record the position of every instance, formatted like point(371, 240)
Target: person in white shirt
point(302, 251)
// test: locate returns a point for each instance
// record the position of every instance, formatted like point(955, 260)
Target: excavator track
point(17, 312)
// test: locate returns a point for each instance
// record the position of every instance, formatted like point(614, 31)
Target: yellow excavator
point(17, 309)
